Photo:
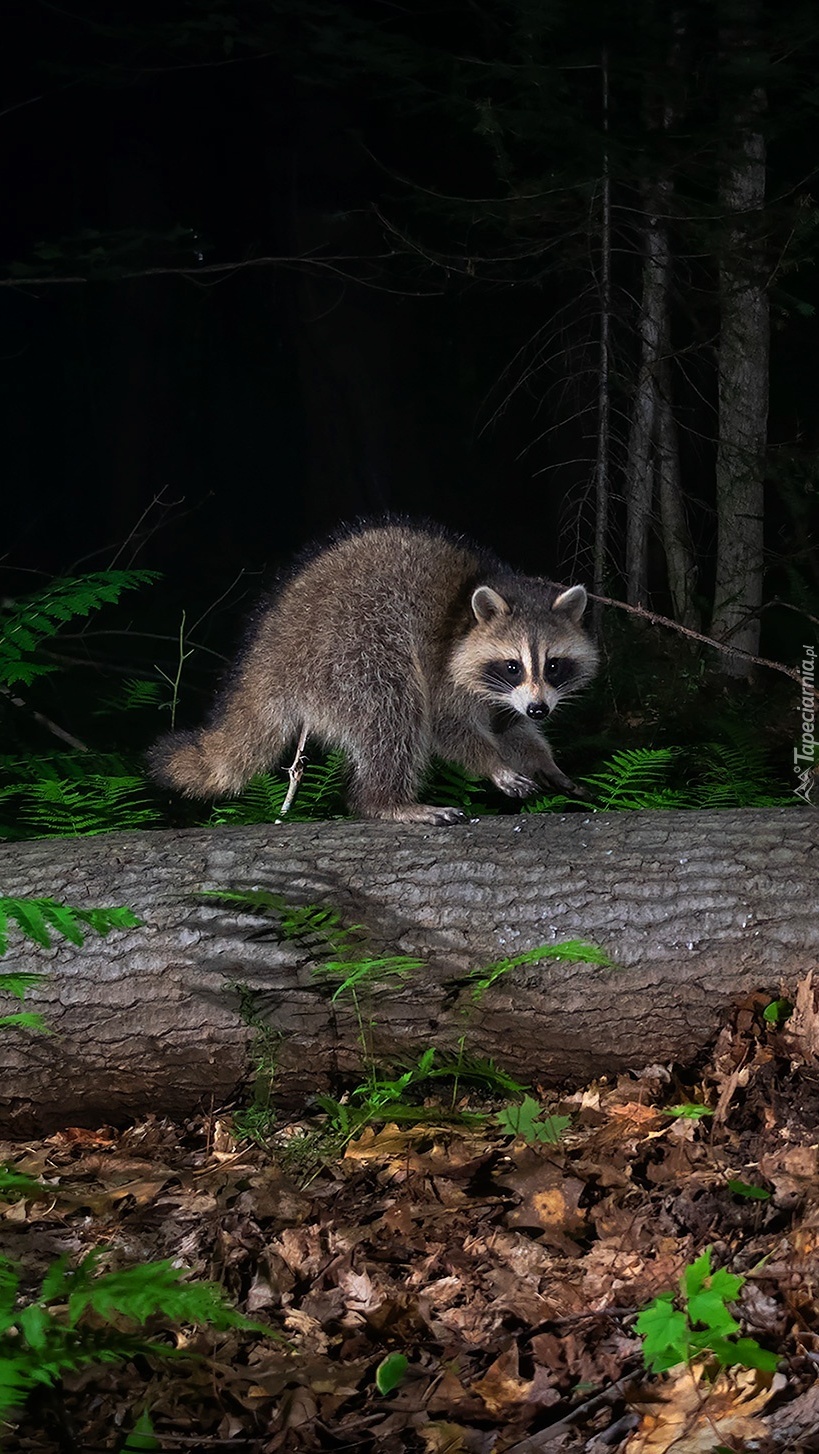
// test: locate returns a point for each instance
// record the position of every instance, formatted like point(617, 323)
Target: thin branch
point(44, 721)
point(657, 620)
point(295, 773)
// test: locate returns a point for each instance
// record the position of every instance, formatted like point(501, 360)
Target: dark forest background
point(270, 266)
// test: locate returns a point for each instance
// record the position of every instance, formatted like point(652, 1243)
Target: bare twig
point(539, 1443)
point(45, 721)
point(295, 773)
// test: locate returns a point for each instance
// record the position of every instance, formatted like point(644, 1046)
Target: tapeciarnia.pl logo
point(804, 754)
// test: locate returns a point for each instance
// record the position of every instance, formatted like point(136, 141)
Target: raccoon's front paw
point(558, 781)
point(514, 784)
point(422, 813)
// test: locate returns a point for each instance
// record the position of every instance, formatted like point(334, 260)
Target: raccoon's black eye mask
point(502, 676)
point(558, 670)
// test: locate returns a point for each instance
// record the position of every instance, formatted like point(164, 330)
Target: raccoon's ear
point(487, 604)
point(572, 603)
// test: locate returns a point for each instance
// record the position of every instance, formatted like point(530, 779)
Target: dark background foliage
point(425, 180)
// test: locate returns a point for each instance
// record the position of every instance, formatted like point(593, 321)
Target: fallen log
point(694, 910)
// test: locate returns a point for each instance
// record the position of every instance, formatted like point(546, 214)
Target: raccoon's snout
point(538, 710)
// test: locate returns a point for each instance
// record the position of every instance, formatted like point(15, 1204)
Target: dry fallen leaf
point(802, 1034)
point(687, 1415)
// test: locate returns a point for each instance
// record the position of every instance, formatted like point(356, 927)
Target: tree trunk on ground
point(695, 909)
point(743, 369)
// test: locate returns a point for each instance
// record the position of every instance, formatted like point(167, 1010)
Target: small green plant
point(777, 1013)
point(18, 986)
point(749, 1192)
point(335, 946)
point(337, 950)
point(59, 1329)
point(141, 1439)
point(257, 1120)
point(15, 1184)
point(710, 775)
point(391, 1372)
point(575, 951)
point(383, 1097)
point(696, 1322)
point(530, 1121)
point(688, 1111)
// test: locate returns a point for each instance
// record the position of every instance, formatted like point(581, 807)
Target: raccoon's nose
point(537, 710)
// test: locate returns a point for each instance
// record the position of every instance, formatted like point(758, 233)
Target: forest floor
point(440, 1288)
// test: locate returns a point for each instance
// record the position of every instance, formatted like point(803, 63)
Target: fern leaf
point(36, 916)
point(33, 619)
point(24, 1020)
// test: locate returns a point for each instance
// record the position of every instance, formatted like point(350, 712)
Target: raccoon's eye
point(514, 669)
point(558, 669)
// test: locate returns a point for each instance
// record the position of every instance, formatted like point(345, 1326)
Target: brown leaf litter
point(510, 1276)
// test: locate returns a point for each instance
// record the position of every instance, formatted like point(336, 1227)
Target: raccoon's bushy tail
point(210, 763)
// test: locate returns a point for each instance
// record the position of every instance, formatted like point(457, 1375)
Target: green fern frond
point(42, 1340)
point(56, 807)
point(320, 795)
point(38, 919)
point(632, 779)
point(736, 775)
point(630, 776)
point(310, 925)
point(450, 786)
point(714, 775)
point(261, 802)
point(31, 620)
point(134, 695)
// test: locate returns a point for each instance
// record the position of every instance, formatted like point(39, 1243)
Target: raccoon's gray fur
point(395, 642)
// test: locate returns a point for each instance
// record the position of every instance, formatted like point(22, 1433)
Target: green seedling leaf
point(664, 1331)
point(141, 1439)
point(689, 1111)
point(391, 1372)
point(703, 1327)
point(777, 1012)
point(15, 1184)
point(744, 1189)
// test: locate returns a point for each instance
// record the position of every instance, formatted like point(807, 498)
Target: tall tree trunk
point(677, 543)
point(640, 460)
point(601, 472)
point(653, 464)
point(743, 360)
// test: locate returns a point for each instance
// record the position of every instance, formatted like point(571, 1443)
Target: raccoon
point(395, 642)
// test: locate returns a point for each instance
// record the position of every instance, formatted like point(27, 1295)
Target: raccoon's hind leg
point(219, 759)
point(388, 755)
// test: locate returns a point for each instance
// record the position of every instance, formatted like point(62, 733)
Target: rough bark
point(743, 367)
point(641, 460)
point(677, 541)
point(602, 481)
point(653, 463)
point(695, 909)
